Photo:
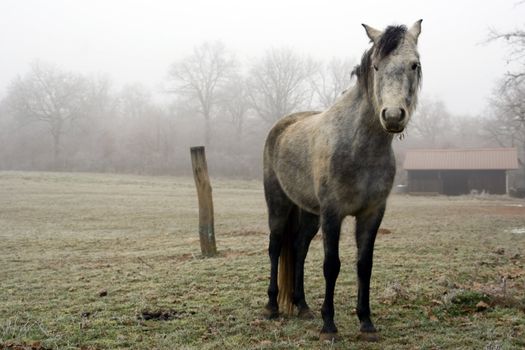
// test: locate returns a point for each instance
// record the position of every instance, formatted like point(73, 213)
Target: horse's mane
point(388, 42)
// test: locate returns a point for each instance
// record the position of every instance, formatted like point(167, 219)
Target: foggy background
point(129, 86)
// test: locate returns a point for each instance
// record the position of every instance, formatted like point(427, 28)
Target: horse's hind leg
point(279, 208)
point(308, 227)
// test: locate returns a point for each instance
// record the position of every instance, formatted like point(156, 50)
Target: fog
point(137, 40)
point(126, 51)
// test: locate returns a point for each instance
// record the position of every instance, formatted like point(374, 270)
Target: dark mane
point(388, 42)
point(362, 70)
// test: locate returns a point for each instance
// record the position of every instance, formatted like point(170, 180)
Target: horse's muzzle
point(393, 119)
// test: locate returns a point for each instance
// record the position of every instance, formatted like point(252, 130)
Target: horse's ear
point(415, 30)
point(372, 33)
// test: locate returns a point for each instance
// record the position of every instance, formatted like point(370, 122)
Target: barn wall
point(456, 182)
point(424, 181)
point(491, 181)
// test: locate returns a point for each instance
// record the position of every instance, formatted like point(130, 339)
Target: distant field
point(449, 274)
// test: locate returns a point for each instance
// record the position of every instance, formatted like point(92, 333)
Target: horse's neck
point(359, 124)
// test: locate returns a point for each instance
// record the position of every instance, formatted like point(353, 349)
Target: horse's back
point(280, 127)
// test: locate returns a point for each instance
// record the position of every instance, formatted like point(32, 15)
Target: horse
point(320, 167)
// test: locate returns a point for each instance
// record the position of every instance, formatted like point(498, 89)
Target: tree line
point(54, 119)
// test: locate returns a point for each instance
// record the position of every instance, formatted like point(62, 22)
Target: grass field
point(111, 261)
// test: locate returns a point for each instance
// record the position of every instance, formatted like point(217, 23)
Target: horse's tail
point(287, 263)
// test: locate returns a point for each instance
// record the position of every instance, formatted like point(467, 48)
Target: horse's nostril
point(402, 115)
point(393, 115)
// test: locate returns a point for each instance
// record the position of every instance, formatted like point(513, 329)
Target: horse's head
point(393, 74)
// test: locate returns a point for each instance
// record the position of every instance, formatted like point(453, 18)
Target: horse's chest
point(365, 187)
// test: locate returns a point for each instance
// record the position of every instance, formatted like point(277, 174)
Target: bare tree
point(331, 80)
point(199, 76)
point(506, 124)
point(5, 125)
point(516, 42)
point(235, 103)
point(51, 96)
point(431, 121)
point(95, 134)
point(134, 101)
point(509, 97)
point(467, 132)
point(279, 84)
point(100, 97)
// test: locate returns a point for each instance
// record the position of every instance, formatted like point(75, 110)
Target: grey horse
point(320, 167)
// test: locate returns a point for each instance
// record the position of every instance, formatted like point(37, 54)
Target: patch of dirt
point(230, 253)
point(459, 302)
point(384, 231)
point(507, 302)
point(464, 301)
point(503, 210)
point(507, 210)
point(394, 292)
point(163, 315)
point(183, 257)
point(245, 233)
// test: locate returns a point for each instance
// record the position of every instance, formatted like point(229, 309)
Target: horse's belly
point(301, 191)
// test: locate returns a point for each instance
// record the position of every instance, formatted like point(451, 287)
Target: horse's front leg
point(331, 225)
point(366, 231)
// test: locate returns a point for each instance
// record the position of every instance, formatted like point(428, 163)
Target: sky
point(134, 41)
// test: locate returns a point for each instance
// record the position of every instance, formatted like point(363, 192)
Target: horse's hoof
point(306, 314)
point(369, 336)
point(328, 337)
point(270, 313)
point(367, 327)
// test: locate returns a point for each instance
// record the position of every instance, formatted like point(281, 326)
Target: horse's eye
point(375, 67)
point(415, 65)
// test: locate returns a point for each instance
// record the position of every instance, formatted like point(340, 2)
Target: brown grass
point(66, 237)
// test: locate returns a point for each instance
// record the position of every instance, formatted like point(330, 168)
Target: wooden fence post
point(202, 182)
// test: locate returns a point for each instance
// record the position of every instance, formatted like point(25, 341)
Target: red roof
point(462, 159)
